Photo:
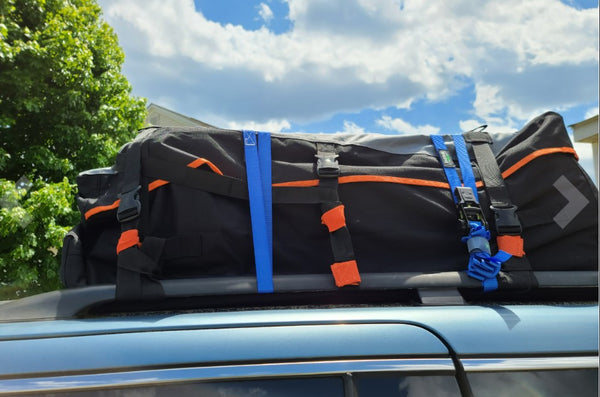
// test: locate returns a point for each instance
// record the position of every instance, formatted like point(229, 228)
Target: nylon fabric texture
point(397, 205)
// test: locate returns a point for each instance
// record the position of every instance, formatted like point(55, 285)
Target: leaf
point(64, 107)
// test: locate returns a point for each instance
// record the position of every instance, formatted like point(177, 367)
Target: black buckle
point(327, 165)
point(507, 221)
point(469, 209)
point(129, 206)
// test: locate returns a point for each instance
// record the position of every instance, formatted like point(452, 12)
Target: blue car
point(416, 341)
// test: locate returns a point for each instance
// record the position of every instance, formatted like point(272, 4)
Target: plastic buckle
point(507, 221)
point(129, 206)
point(469, 209)
point(327, 165)
point(482, 269)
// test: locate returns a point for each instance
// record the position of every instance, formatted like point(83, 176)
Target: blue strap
point(464, 162)
point(256, 160)
point(482, 265)
point(447, 164)
point(264, 159)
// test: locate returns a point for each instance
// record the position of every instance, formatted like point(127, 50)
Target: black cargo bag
point(197, 203)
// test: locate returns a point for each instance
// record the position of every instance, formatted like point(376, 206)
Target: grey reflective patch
point(576, 204)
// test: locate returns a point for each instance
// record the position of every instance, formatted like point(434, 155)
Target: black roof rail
point(71, 303)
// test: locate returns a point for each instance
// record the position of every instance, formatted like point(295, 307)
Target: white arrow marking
point(576, 204)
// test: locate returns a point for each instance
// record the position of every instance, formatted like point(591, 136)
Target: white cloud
point(402, 127)
point(351, 128)
point(493, 125)
point(265, 12)
point(487, 101)
point(591, 112)
point(348, 55)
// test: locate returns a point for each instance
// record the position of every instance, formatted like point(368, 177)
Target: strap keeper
point(512, 245)
point(129, 238)
point(345, 273)
point(129, 205)
point(334, 219)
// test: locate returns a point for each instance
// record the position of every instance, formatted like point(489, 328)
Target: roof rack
point(76, 302)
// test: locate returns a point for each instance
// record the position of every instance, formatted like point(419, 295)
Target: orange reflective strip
point(306, 183)
point(200, 161)
point(157, 183)
point(101, 208)
point(368, 178)
point(538, 153)
point(393, 179)
point(511, 244)
point(345, 273)
point(128, 239)
point(334, 219)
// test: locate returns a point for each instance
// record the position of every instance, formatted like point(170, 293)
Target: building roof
point(158, 115)
point(586, 130)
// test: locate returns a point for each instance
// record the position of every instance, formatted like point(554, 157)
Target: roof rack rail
point(70, 303)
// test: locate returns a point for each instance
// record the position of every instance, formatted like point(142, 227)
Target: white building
point(586, 131)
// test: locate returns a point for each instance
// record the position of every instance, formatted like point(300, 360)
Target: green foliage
point(32, 226)
point(64, 107)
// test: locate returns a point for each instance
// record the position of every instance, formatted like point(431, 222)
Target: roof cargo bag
point(197, 203)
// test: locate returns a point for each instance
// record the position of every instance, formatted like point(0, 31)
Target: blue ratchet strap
point(258, 160)
point(264, 159)
point(482, 265)
point(447, 164)
point(464, 162)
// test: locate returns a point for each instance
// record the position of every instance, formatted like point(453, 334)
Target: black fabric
point(231, 187)
point(505, 219)
point(136, 267)
point(394, 227)
point(73, 271)
point(489, 170)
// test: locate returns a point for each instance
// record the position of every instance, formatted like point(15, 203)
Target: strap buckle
point(469, 209)
point(507, 221)
point(482, 268)
point(327, 165)
point(129, 206)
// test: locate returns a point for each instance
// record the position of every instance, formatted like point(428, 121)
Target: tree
point(64, 107)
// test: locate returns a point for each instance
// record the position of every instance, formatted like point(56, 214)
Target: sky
point(382, 66)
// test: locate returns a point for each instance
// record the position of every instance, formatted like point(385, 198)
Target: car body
point(489, 349)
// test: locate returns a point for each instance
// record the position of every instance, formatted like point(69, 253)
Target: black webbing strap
point(196, 178)
point(223, 185)
point(135, 266)
point(506, 220)
point(505, 213)
point(344, 268)
point(341, 242)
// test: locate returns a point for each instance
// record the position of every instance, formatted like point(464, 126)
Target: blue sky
point(386, 66)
